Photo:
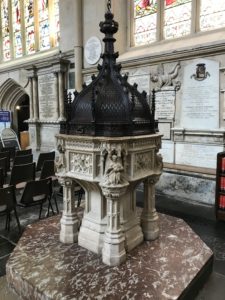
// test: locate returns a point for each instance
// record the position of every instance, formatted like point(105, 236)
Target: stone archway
point(12, 95)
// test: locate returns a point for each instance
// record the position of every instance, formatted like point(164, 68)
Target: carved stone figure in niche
point(60, 162)
point(163, 79)
point(159, 161)
point(113, 170)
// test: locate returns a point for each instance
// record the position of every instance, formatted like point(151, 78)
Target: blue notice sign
point(4, 116)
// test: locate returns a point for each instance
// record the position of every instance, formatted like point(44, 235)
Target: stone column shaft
point(78, 51)
point(35, 98)
point(149, 218)
point(113, 252)
point(61, 96)
point(31, 100)
point(56, 86)
point(69, 221)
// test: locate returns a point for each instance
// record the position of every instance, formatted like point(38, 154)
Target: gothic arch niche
point(14, 98)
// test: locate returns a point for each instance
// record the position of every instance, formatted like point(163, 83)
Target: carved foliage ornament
point(143, 161)
point(81, 163)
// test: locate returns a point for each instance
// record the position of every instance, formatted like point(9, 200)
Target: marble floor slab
point(41, 267)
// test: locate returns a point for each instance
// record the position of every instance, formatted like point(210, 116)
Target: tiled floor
point(200, 218)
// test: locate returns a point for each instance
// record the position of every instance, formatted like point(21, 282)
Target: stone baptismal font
point(109, 145)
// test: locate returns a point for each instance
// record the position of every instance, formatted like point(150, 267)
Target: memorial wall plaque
point(47, 97)
point(165, 103)
point(92, 50)
point(197, 155)
point(200, 97)
point(165, 129)
point(143, 82)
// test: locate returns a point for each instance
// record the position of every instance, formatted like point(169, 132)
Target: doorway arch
point(12, 97)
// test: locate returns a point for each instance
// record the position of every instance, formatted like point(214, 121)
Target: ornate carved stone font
point(109, 169)
point(110, 143)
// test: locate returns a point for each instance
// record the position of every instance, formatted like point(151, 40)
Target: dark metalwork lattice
point(109, 105)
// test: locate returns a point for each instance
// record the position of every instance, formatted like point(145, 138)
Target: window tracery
point(28, 26)
point(156, 20)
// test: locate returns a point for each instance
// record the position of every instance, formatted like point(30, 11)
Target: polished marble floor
point(200, 218)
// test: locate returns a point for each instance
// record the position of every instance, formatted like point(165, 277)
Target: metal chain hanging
point(109, 5)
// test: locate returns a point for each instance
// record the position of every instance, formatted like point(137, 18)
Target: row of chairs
point(22, 157)
point(34, 193)
point(28, 181)
point(22, 187)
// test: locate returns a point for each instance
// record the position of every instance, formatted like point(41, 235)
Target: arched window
point(156, 20)
point(28, 26)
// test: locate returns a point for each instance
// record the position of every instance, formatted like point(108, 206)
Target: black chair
point(48, 171)
point(12, 151)
point(8, 205)
point(6, 154)
point(2, 179)
point(37, 192)
point(23, 159)
point(21, 174)
point(44, 156)
point(23, 152)
point(3, 165)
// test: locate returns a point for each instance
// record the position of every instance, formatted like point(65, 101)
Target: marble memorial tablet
point(165, 103)
point(47, 97)
point(200, 97)
point(164, 128)
point(197, 155)
point(92, 50)
point(143, 82)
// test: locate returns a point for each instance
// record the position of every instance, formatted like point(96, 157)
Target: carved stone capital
point(152, 180)
point(114, 192)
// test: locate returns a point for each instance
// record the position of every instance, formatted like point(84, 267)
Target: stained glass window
point(169, 19)
point(177, 18)
point(43, 14)
point(17, 36)
point(33, 25)
point(29, 26)
point(212, 14)
point(5, 30)
point(56, 21)
point(145, 20)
